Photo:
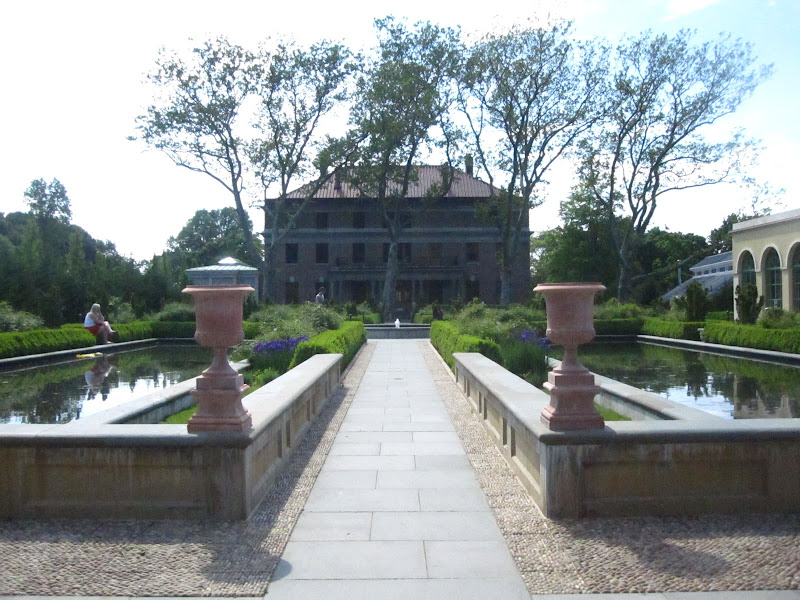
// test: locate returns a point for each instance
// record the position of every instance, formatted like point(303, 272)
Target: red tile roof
point(464, 186)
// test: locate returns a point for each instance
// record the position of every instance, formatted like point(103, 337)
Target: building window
point(291, 254)
point(292, 292)
point(435, 251)
point(359, 252)
point(322, 220)
point(404, 252)
point(773, 273)
point(472, 289)
point(747, 273)
point(322, 254)
point(473, 251)
point(796, 278)
point(359, 220)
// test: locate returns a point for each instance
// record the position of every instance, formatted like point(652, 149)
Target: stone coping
point(107, 429)
point(34, 360)
point(526, 402)
point(741, 351)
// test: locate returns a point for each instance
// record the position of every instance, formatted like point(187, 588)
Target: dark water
point(69, 391)
point(724, 386)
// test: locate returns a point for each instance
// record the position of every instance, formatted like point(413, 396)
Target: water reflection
point(725, 386)
point(66, 392)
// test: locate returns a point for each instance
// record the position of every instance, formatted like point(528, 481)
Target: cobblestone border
point(174, 558)
point(622, 555)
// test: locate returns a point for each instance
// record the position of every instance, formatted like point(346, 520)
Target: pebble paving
point(621, 555)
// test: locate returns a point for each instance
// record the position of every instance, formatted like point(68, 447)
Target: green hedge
point(672, 329)
point(631, 326)
point(752, 336)
point(39, 341)
point(346, 340)
point(446, 338)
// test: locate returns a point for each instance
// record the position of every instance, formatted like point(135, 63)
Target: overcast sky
point(73, 85)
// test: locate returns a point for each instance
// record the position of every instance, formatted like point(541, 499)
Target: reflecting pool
point(729, 387)
point(68, 391)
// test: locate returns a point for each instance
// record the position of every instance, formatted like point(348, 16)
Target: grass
point(610, 415)
point(180, 418)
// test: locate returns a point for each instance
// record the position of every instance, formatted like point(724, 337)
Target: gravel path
point(623, 555)
point(173, 558)
point(180, 558)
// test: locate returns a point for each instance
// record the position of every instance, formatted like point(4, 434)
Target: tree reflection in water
point(726, 386)
point(66, 392)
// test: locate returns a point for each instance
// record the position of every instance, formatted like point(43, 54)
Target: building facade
point(446, 251)
point(766, 253)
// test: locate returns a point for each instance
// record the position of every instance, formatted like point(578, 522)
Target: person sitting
point(97, 325)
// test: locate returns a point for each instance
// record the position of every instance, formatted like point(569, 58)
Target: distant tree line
point(632, 117)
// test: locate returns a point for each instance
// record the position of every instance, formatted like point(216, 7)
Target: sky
point(74, 83)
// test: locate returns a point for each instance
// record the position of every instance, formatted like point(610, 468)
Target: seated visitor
point(97, 324)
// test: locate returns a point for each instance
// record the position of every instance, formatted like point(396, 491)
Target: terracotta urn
point(570, 323)
point(219, 390)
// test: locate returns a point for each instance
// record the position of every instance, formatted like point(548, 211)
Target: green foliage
point(39, 341)
point(346, 340)
point(614, 309)
point(631, 326)
point(173, 329)
point(293, 320)
point(672, 329)
point(719, 315)
point(777, 318)
point(176, 311)
point(528, 360)
point(446, 338)
point(17, 320)
point(256, 378)
point(139, 330)
point(748, 304)
point(753, 336)
point(695, 302)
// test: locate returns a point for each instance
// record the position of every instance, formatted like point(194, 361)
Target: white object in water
point(397, 323)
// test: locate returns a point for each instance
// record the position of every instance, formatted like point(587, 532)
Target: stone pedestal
point(220, 388)
point(570, 323)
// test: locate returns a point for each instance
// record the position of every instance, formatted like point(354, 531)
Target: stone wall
point(110, 470)
point(674, 466)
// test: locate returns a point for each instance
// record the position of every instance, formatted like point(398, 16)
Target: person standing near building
point(320, 297)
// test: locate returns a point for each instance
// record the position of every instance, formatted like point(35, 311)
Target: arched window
point(796, 278)
point(747, 273)
point(772, 271)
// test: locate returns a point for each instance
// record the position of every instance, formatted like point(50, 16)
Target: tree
point(403, 96)
point(299, 90)
point(528, 95)
point(664, 94)
point(48, 201)
point(198, 122)
point(209, 236)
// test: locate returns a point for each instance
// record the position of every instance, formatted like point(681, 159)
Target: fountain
point(220, 388)
point(570, 315)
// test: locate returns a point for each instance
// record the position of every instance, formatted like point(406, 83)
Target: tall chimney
point(468, 164)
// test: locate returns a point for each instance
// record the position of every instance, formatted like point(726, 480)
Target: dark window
point(796, 278)
point(291, 253)
point(359, 220)
point(472, 289)
point(435, 250)
point(473, 251)
point(292, 292)
point(404, 252)
point(774, 289)
point(322, 220)
point(748, 271)
point(322, 253)
point(386, 253)
point(359, 252)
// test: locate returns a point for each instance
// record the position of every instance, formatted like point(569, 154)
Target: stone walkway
point(398, 489)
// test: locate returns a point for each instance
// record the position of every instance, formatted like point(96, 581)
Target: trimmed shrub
point(138, 330)
point(446, 338)
point(173, 329)
point(631, 326)
point(176, 311)
point(719, 315)
point(679, 330)
point(40, 341)
point(346, 341)
point(753, 336)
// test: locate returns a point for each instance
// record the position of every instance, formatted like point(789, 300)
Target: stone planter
point(570, 323)
point(220, 388)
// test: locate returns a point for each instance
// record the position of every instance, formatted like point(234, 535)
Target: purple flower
point(529, 336)
point(268, 346)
